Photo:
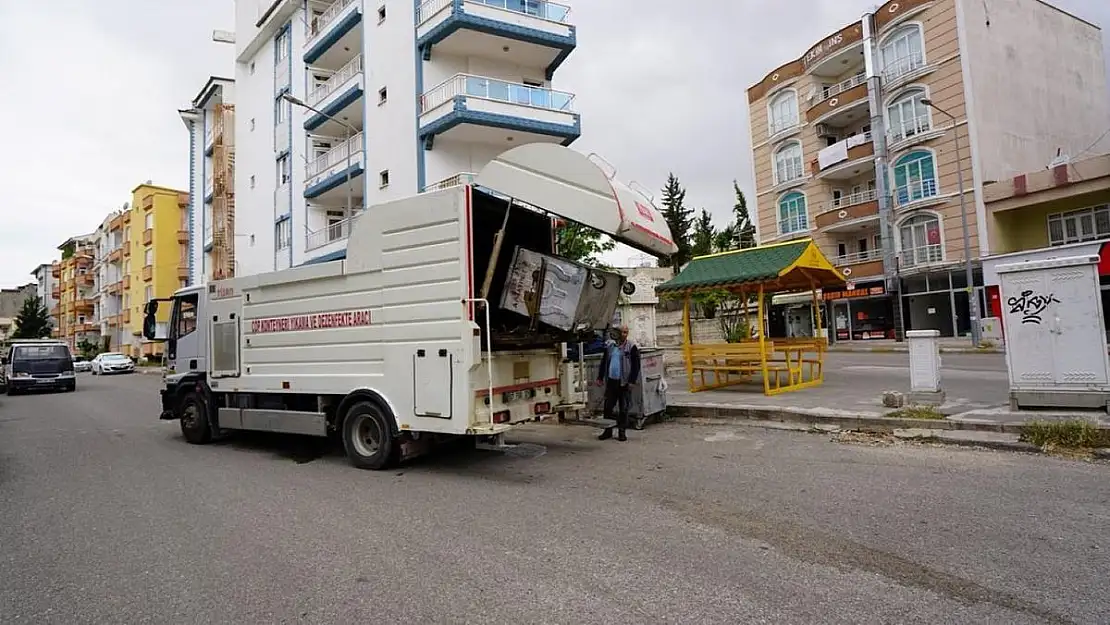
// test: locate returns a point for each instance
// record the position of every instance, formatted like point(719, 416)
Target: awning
point(779, 268)
point(568, 184)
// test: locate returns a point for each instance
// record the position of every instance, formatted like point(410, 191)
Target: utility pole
point(882, 180)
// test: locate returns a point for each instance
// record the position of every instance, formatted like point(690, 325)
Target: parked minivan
point(37, 364)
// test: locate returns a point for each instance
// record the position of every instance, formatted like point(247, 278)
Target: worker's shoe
point(621, 436)
point(606, 435)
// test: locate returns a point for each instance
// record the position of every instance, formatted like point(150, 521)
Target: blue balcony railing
point(551, 11)
point(497, 90)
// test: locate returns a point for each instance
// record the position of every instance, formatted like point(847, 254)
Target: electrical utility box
point(1056, 341)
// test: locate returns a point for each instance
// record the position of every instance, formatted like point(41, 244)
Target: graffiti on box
point(1030, 305)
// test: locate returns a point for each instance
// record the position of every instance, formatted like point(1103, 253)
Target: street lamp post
point(288, 97)
point(973, 299)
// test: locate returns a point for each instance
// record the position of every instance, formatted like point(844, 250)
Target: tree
point(680, 220)
point(705, 235)
point(33, 320)
point(577, 242)
point(744, 227)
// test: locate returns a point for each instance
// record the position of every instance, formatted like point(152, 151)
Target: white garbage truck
point(448, 317)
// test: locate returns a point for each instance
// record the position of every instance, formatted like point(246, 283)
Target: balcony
point(86, 279)
point(148, 273)
point(148, 202)
point(208, 234)
point(495, 112)
point(182, 272)
point(921, 256)
point(332, 233)
point(845, 159)
point(127, 249)
point(84, 306)
point(335, 25)
point(910, 132)
point(917, 193)
point(56, 271)
point(797, 225)
point(183, 236)
point(116, 223)
point(127, 282)
point(340, 97)
point(449, 182)
point(849, 212)
point(115, 288)
point(830, 56)
point(126, 316)
point(148, 236)
point(55, 293)
point(860, 264)
point(536, 33)
point(116, 255)
point(335, 168)
point(183, 200)
point(209, 189)
point(904, 70)
point(842, 103)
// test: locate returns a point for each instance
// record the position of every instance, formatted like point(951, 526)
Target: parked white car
point(112, 362)
point(80, 364)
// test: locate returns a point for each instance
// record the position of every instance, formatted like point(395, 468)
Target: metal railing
point(859, 257)
point(207, 233)
point(908, 128)
point(317, 25)
point(903, 65)
point(789, 170)
point(922, 255)
point(335, 231)
point(334, 156)
point(497, 90)
point(550, 11)
point(790, 225)
point(839, 88)
point(854, 199)
point(914, 191)
point(775, 126)
point(338, 79)
point(456, 180)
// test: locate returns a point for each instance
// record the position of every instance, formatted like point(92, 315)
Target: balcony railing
point(775, 126)
point(498, 91)
point(318, 24)
point(790, 225)
point(859, 257)
point(789, 170)
point(854, 199)
point(839, 88)
point(350, 70)
point(335, 231)
point(914, 191)
point(902, 66)
point(909, 127)
point(922, 255)
point(335, 156)
point(458, 179)
point(551, 11)
point(207, 233)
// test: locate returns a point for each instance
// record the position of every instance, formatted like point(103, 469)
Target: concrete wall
point(668, 335)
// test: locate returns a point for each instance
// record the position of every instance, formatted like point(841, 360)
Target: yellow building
point(75, 292)
point(154, 258)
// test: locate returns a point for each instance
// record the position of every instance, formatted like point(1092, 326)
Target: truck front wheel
point(194, 420)
point(368, 437)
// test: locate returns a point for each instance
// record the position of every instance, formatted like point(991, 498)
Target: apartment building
point(111, 278)
point(44, 283)
point(343, 105)
point(154, 259)
point(861, 143)
point(210, 121)
point(76, 292)
point(11, 303)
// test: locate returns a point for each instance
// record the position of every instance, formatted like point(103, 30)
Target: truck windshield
point(184, 320)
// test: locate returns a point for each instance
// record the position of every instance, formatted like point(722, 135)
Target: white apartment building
point(108, 267)
point(352, 103)
point(46, 286)
point(211, 216)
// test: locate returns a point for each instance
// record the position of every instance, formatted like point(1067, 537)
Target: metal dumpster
point(651, 399)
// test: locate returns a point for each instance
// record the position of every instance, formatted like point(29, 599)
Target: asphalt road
point(108, 516)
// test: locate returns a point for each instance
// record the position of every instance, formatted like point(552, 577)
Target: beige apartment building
point(855, 144)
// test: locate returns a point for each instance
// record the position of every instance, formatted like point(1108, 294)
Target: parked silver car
point(81, 364)
point(112, 362)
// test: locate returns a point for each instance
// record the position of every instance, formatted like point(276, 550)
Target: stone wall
point(668, 334)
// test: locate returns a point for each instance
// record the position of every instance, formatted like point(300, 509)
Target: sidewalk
point(947, 346)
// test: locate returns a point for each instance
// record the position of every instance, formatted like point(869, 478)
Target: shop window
point(1080, 225)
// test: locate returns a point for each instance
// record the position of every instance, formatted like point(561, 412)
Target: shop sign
point(868, 291)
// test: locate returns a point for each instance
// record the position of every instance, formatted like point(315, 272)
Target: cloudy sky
point(93, 87)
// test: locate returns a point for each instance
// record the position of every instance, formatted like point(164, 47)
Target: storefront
point(939, 300)
point(861, 312)
point(792, 316)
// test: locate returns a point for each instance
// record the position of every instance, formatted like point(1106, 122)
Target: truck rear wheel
point(194, 420)
point(368, 437)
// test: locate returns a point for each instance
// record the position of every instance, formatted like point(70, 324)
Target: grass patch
point(1074, 434)
point(916, 412)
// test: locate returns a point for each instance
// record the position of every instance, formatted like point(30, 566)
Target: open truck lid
point(574, 186)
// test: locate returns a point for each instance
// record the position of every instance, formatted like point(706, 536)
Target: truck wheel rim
point(189, 416)
point(368, 436)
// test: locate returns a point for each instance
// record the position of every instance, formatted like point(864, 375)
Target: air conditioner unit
point(825, 130)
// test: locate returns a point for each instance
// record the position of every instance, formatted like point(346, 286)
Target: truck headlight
point(21, 374)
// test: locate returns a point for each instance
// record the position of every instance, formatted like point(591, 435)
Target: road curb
point(903, 350)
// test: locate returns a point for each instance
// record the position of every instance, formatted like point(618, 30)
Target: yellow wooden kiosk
point(785, 364)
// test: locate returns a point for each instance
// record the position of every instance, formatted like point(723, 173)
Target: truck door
point(433, 382)
point(184, 349)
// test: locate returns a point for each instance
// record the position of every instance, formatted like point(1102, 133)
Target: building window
point(148, 221)
point(281, 111)
point(381, 14)
point(148, 257)
point(383, 178)
point(283, 169)
point(908, 116)
point(788, 163)
point(283, 234)
point(792, 213)
point(782, 112)
point(921, 240)
point(149, 293)
point(903, 52)
point(1078, 226)
point(281, 46)
point(915, 177)
point(383, 95)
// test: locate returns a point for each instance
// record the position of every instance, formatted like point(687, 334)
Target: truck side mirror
point(150, 324)
point(151, 308)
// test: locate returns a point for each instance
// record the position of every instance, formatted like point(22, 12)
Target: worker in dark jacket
point(619, 370)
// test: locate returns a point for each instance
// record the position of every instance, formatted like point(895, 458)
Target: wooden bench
point(724, 360)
